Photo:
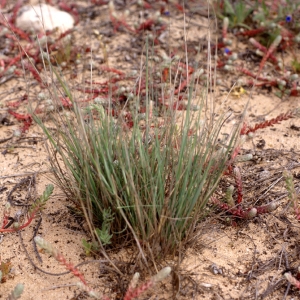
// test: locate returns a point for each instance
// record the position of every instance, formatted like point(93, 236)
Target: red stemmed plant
point(232, 170)
point(33, 211)
point(133, 290)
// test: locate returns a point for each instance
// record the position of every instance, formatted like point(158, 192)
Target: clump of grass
point(149, 181)
point(150, 178)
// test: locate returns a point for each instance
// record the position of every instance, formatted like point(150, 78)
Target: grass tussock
point(149, 181)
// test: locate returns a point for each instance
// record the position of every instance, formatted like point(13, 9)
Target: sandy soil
point(232, 259)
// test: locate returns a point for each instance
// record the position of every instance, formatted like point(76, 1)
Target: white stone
point(43, 17)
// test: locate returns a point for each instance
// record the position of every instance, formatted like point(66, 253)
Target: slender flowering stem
point(225, 27)
point(59, 257)
point(272, 48)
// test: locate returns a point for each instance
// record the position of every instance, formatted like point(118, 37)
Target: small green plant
point(296, 66)
point(292, 194)
point(36, 207)
point(90, 247)
point(102, 234)
point(237, 12)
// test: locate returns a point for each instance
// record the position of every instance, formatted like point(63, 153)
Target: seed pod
point(251, 213)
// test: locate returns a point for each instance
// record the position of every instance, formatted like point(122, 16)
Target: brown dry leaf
point(5, 268)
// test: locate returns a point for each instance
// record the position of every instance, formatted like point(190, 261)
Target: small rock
point(44, 17)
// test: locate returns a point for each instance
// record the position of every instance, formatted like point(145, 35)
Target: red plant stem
point(15, 11)
point(263, 49)
point(146, 25)
point(181, 87)
point(3, 4)
point(5, 218)
point(107, 69)
point(184, 66)
point(244, 214)
point(66, 102)
point(158, 32)
point(220, 64)
point(234, 154)
point(100, 2)
point(17, 31)
point(32, 215)
point(19, 116)
point(265, 209)
point(59, 257)
point(294, 92)
point(249, 73)
point(236, 211)
point(117, 23)
point(35, 73)
point(269, 123)
point(134, 293)
point(56, 44)
point(286, 34)
point(265, 83)
point(178, 106)
point(16, 59)
point(218, 46)
point(272, 48)
point(165, 75)
point(179, 7)
point(14, 104)
point(251, 32)
point(26, 119)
